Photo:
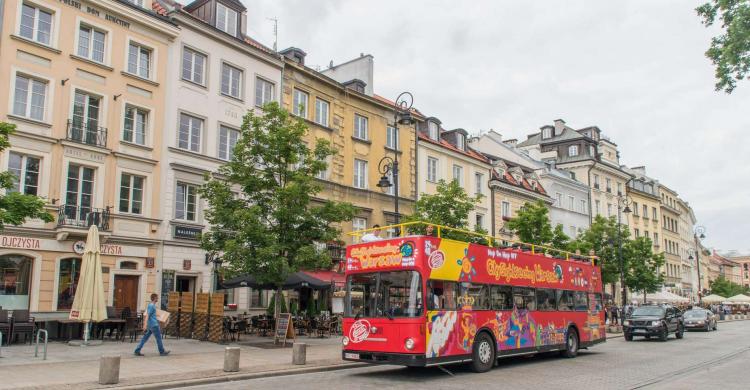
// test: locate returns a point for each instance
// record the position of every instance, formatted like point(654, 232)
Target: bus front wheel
point(483, 356)
point(571, 344)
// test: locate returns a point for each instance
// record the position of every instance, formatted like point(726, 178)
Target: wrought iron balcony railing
point(84, 217)
point(86, 133)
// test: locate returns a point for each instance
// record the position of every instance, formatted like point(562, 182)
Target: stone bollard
point(231, 359)
point(299, 353)
point(109, 369)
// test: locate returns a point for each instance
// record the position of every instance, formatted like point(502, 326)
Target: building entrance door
point(126, 292)
point(185, 284)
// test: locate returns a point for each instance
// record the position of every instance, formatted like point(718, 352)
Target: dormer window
point(432, 129)
point(461, 141)
point(573, 150)
point(592, 150)
point(546, 133)
point(226, 19)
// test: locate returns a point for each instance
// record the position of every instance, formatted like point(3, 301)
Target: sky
point(636, 69)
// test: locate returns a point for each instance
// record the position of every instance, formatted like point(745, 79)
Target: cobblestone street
point(715, 359)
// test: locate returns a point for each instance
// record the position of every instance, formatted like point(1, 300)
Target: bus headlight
point(409, 343)
point(345, 341)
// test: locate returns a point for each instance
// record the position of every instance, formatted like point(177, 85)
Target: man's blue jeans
point(157, 335)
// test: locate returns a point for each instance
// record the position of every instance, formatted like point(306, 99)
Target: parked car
point(699, 319)
point(654, 321)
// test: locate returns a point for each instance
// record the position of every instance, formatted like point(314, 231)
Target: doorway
point(126, 292)
point(185, 284)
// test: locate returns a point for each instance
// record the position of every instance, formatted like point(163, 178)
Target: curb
point(237, 377)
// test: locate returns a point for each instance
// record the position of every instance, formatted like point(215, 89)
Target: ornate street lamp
point(699, 233)
point(623, 206)
point(387, 165)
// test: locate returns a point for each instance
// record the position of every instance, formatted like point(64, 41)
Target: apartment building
point(670, 224)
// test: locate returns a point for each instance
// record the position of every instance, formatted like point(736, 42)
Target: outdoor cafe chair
point(240, 327)
point(5, 326)
point(23, 324)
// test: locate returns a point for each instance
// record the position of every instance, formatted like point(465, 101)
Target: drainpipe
point(591, 209)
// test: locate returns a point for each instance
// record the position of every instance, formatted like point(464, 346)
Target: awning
point(296, 280)
point(332, 277)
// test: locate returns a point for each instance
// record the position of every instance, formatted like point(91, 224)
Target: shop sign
point(187, 265)
point(79, 247)
point(187, 232)
point(106, 249)
point(96, 12)
point(149, 262)
point(20, 242)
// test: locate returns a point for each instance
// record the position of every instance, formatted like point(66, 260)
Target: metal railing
point(46, 338)
point(86, 133)
point(83, 216)
point(1, 344)
point(419, 228)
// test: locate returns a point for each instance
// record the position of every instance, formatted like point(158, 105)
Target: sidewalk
point(70, 367)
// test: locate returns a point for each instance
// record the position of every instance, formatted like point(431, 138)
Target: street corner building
point(85, 87)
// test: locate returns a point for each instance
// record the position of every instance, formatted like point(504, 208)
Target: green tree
point(560, 240)
point(448, 206)
point(261, 211)
point(726, 288)
point(729, 51)
point(601, 237)
point(15, 207)
point(531, 224)
point(642, 273)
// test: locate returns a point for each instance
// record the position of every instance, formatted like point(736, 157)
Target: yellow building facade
point(86, 92)
point(670, 224)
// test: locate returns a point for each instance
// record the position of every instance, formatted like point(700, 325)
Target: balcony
point(71, 215)
point(86, 133)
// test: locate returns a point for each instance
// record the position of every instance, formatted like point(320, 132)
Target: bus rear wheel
point(571, 344)
point(483, 356)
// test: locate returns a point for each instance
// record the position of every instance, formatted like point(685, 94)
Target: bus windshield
point(384, 294)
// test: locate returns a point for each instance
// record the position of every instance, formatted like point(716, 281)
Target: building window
point(36, 24)
point(360, 173)
point(321, 112)
point(391, 137)
point(461, 141)
point(656, 238)
point(360, 127)
point(583, 207)
point(546, 133)
point(635, 208)
point(131, 194)
point(136, 122)
point(433, 131)
point(79, 196)
point(619, 189)
point(85, 126)
point(139, 60)
point(359, 224)
point(573, 150)
point(479, 182)
point(299, 105)
point(637, 233)
point(193, 66)
point(15, 282)
point(458, 174)
point(506, 210)
point(479, 222)
point(645, 211)
point(263, 91)
point(558, 199)
point(185, 201)
point(25, 170)
point(596, 181)
point(67, 281)
point(571, 203)
point(592, 151)
point(226, 19)
point(190, 133)
point(227, 141)
point(598, 205)
point(653, 213)
point(432, 169)
point(609, 209)
point(609, 185)
point(231, 81)
point(91, 43)
point(30, 97)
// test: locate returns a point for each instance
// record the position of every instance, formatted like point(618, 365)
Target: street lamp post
point(623, 206)
point(699, 233)
point(388, 165)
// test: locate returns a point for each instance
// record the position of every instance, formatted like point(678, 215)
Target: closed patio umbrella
point(89, 303)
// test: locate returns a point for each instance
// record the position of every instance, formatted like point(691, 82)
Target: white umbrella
point(89, 303)
point(739, 298)
point(713, 298)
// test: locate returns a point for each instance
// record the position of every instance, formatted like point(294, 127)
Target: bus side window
point(442, 295)
point(545, 299)
point(501, 298)
point(524, 298)
point(580, 299)
point(474, 295)
point(565, 300)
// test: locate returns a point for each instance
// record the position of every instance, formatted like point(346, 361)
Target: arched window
point(67, 281)
point(15, 281)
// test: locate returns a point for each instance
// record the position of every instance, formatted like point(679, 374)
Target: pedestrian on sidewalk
point(152, 327)
point(615, 309)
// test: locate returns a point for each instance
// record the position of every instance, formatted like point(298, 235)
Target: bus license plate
point(351, 355)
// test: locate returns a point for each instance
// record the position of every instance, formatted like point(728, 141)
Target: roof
point(508, 178)
point(392, 103)
point(567, 134)
point(469, 152)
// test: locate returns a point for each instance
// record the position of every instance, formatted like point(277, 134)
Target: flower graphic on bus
point(467, 269)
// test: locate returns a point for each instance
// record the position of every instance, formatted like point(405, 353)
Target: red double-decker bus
point(424, 300)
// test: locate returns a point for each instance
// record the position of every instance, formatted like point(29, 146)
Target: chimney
point(295, 54)
point(559, 126)
point(511, 142)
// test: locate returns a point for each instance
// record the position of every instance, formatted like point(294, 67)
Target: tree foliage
point(642, 270)
point(15, 207)
point(729, 51)
point(726, 288)
point(602, 238)
point(263, 219)
point(532, 226)
point(449, 206)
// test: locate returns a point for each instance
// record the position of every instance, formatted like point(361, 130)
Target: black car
point(699, 319)
point(654, 321)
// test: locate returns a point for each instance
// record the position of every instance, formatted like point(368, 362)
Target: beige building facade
point(86, 89)
point(670, 224)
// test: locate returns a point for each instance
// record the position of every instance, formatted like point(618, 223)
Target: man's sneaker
point(165, 353)
point(138, 353)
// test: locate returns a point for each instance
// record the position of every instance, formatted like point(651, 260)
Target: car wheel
point(648, 337)
point(680, 332)
point(708, 328)
point(715, 326)
point(483, 356)
point(571, 344)
point(629, 337)
point(664, 333)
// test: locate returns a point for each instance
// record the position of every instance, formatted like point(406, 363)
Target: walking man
point(152, 327)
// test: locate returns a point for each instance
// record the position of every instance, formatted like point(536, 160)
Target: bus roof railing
point(403, 229)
